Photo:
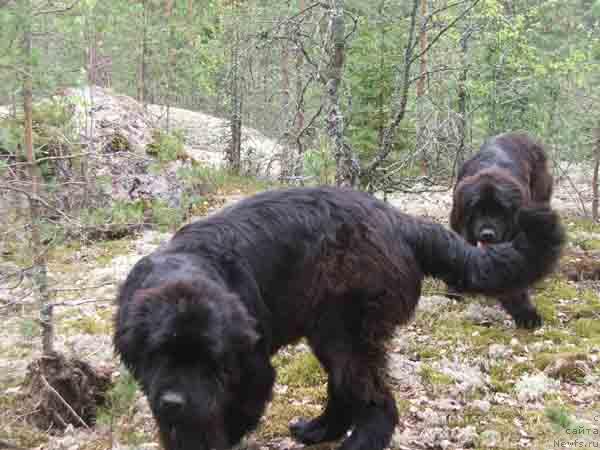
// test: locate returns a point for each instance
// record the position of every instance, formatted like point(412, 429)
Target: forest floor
point(462, 375)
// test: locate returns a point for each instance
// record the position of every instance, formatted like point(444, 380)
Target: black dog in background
point(199, 320)
point(509, 171)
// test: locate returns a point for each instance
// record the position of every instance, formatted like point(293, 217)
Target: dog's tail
point(494, 269)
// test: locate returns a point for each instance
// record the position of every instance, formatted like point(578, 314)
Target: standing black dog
point(510, 171)
point(199, 320)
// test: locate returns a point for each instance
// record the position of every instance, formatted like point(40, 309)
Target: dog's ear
point(132, 330)
point(242, 334)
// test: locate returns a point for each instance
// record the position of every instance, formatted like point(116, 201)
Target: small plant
point(559, 417)
point(319, 164)
point(29, 329)
point(117, 143)
point(165, 217)
point(432, 377)
point(300, 370)
point(587, 328)
point(120, 212)
point(167, 147)
point(120, 399)
point(205, 180)
point(53, 134)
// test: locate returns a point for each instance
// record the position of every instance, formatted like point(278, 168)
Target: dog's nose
point(487, 235)
point(171, 403)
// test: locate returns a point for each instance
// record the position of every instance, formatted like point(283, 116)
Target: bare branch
point(401, 89)
point(57, 10)
point(64, 402)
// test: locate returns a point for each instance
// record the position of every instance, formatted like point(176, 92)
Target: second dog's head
point(490, 203)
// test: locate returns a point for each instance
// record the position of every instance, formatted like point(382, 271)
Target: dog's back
point(521, 155)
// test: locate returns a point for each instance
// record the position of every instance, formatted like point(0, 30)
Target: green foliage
point(320, 165)
point(120, 399)
point(29, 329)
point(165, 217)
point(203, 179)
point(120, 212)
point(587, 328)
point(560, 417)
point(299, 370)
point(53, 133)
point(432, 377)
point(167, 146)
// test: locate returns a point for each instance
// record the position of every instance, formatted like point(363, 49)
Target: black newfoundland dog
point(199, 320)
point(510, 171)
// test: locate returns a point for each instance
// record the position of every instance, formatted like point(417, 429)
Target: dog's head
point(184, 342)
point(490, 204)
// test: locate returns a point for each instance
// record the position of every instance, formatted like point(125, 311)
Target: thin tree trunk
point(141, 89)
point(286, 157)
point(595, 175)
point(399, 102)
point(381, 97)
point(462, 103)
point(420, 91)
point(235, 149)
point(171, 56)
point(347, 168)
point(299, 122)
point(423, 47)
point(40, 272)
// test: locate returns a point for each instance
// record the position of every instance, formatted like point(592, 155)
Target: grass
point(299, 370)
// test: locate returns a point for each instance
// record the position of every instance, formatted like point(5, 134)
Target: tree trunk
point(171, 57)
point(381, 97)
point(423, 46)
point(595, 174)
point(287, 156)
point(235, 148)
point(141, 88)
point(420, 90)
point(347, 168)
point(399, 101)
point(40, 272)
point(299, 121)
point(462, 104)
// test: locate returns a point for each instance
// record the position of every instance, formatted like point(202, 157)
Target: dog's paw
point(528, 319)
point(453, 294)
point(309, 432)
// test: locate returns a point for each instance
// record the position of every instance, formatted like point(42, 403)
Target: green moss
point(12, 428)
point(574, 224)
point(433, 377)
point(118, 143)
point(167, 147)
point(559, 416)
point(120, 399)
point(500, 378)
point(543, 360)
point(590, 244)
point(280, 413)
point(86, 324)
point(428, 352)
point(587, 328)
point(29, 328)
point(482, 337)
point(546, 300)
point(299, 370)
point(558, 336)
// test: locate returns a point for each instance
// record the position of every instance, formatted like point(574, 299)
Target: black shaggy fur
point(199, 320)
point(510, 171)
